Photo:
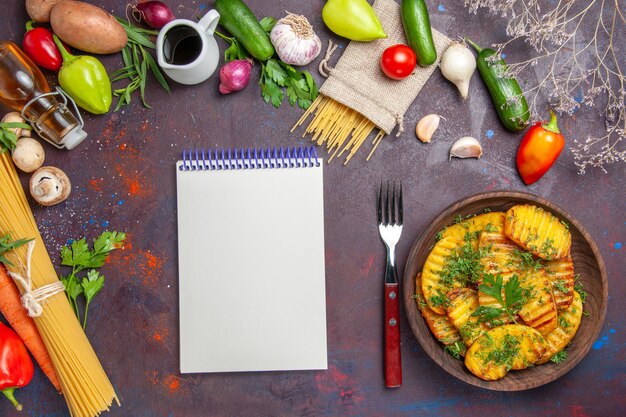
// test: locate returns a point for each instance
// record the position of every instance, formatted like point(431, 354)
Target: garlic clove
point(466, 147)
point(427, 126)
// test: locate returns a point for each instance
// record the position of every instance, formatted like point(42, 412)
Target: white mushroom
point(14, 117)
point(49, 186)
point(28, 154)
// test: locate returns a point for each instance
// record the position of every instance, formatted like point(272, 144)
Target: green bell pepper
point(353, 19)
point(85, 79)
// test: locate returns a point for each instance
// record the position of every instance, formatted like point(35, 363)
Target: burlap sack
point(358, 82)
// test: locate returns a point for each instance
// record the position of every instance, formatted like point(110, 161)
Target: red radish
point(155, 14)
point(235, 75)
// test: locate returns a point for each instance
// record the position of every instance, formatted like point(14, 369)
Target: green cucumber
point(506, 93)
point(418, 32)
point(237, 18)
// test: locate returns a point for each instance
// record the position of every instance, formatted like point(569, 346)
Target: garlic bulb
point(466, 147)
point(295, 41)
point(458, 65)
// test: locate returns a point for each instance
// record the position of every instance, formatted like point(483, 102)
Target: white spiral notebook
point(251, 260)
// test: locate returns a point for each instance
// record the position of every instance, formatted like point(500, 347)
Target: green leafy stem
point(80, 257)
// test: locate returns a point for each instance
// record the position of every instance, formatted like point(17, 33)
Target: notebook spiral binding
point(251, 158)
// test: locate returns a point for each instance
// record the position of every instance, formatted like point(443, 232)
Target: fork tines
point(391, 208)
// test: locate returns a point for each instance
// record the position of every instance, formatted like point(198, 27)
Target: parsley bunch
point(514, 298)
point(277, 78)
point(78, 256)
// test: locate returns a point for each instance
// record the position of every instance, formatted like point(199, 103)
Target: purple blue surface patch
point(489, 134)
point(617, 245)
point(441, 8)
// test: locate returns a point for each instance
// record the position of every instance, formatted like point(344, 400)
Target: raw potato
point(39, 10)
point(569, 321)
point(87, 27)
point(538, 231)
point(438, 324)
point(512, 346)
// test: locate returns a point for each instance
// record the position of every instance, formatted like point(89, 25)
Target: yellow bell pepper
point(353, 19)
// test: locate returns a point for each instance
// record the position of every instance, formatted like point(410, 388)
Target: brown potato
point(87, 27)
point(39, 10)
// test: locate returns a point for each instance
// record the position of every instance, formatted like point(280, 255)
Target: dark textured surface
point(123, 179)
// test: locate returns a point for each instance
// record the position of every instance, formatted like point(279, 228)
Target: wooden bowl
point(587, 262)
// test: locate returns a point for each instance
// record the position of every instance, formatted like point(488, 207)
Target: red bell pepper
point(16, 367)
point(539, 149)
point(40, 47)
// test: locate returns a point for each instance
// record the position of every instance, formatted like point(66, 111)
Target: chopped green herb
point(561, 286)
point(458, 219)
point(505, 354)
point(486, 210)
point(439, 235)
point(463, 265)
point(439, 300)
point(455, 349)
point(578, 287)
point(566, 224)
point(559, 357)
point(527, 261)
point(563, 322)
point(490, 228)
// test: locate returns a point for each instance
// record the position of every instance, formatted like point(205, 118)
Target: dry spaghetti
point(85, 385)
point(339, 128)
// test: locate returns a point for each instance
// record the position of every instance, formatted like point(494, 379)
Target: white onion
point(295, 41)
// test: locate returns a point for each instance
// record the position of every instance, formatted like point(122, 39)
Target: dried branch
point(578, 62)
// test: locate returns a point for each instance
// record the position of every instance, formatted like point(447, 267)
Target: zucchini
point(506, 93)
point(418, 32)
point(237, 19)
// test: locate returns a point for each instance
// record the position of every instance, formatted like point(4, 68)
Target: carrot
point(12, 309)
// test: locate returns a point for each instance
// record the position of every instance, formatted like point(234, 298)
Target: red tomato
point(398, 61)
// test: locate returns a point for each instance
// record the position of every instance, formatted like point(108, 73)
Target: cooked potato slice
point(537, 231)
point(561, 275)
point(568, 323)
point(539, 311)
point(438, 324)
point(512, 346)
point(472, 227)
point(434, 286)
point(498, 257)
point(462, 302)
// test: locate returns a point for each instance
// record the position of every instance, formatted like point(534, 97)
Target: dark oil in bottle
point(182, 45)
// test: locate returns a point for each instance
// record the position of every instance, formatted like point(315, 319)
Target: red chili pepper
point(39, 46)
point(539, 149)
point(16, 367)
